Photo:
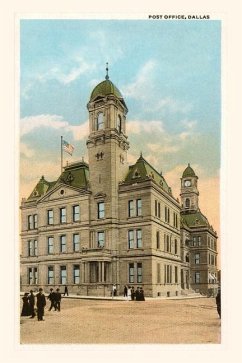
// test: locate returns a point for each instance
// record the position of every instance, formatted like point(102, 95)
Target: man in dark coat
point(41, 302)
point(66, 291)
point(142, 294)
point(58, 299)
point(31, 299)
point(51, 297)
point(125, 291)
point(218, 303)
point(137, 294)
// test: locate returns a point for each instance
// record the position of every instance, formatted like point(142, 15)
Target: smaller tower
point(189, 191)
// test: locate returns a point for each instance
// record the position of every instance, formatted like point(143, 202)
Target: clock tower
point(189, 191)
point(107, 145)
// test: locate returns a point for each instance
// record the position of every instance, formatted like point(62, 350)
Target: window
point(30, 276)
point(158, 210)
point(50, 216)
point(167, 243)
point(100, 121)
point(35, 221)
point(63, 275)
point(30, 222)
point(168, 274)
point(135, 208)
point(119, 125)
point(63, 243)
point(135, 238)
point(167, 214)
point(35, 275)
point(138, 207)
point(35, 247)
point(176, 274)
point(199, 240)
point(158, 274)
point(197, 258)
point(100, 239)
point(139, 273)
point(197, 277)
point(76, 242)
point(51, 275)
point(63, 215)
point(176, 247)
point(50, 245)
point(100, 210)
point(131, 208)
point(76, 274)
point(157, 240)
point(131, 239)
point(139, 238)
point(76, 213)
point(131, 273)
point(30, 248)
point(187, 203)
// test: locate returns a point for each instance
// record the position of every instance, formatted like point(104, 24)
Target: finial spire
point(188, 164)
point(107, 76)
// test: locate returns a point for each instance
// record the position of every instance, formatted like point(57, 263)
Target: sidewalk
point(121, 298)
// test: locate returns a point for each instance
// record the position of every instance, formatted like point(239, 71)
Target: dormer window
point(100, 121)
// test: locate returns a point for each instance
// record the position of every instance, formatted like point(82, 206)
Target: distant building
point(106, 222)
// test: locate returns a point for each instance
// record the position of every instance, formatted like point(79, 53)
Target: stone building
point(106, 222)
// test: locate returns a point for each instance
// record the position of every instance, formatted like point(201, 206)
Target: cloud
point(143, 84)
point(26, 151)
point(31, 123)
point(136, 127)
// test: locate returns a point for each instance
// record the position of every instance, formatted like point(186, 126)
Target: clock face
point(187, 183)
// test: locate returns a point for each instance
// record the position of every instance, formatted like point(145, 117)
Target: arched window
point(100, 121)
point(119, 124)
point(187, 203)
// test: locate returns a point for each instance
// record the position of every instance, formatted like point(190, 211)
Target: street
point(160, 321)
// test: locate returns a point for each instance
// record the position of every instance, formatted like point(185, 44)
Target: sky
point(168, 73)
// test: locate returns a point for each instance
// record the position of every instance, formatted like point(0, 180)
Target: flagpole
point(61, 154)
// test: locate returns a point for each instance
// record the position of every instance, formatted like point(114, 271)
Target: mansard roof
point(142, 170)
point(194, 220)
point(75, 175)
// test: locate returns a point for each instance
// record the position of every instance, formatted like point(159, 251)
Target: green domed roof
point(188, 172)
point(105, 88)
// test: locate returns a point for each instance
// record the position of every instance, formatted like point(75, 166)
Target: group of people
point(131, 294)
point(29, 309)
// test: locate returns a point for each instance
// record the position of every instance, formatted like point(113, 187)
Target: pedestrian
point(66, 291)
point(132, 293)
point(31, 299)
point(26, 306)
point(137, 294)
point(41, 302)
point(125, 291)
point(114, 290)
point(51, 297)
point(58, 299)
point(142, 294)
point(218, 303)
point(129, 293)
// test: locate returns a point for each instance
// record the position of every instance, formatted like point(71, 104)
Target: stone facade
point(106, 222)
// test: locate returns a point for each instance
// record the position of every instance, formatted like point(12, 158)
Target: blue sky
point(167, 71)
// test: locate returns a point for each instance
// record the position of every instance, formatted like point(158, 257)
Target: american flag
point(68, 148)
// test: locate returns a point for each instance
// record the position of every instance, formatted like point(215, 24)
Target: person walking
point(125, 291)
point(51, 297)
point(26, 306)
point(58, 299)
point(31, 299)
point(66, 291)
point(218, 302)
point(41, 302)
point(137, 294)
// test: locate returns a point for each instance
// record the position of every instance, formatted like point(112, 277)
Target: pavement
point(117, 321)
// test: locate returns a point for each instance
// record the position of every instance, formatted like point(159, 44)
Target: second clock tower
point(189, 191)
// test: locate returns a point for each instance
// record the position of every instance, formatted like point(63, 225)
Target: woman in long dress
point(26, 306)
